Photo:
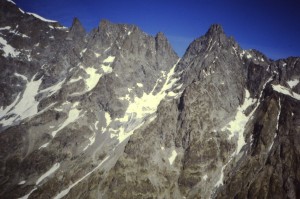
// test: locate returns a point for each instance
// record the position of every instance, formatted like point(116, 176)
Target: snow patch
point(286, 91)
point(141, 107)
point(24, 106)
point(205, 177)
point(248, 56)
point(93, 78)
point(82, 52)
point(44, 145)
point(5, 28)
point(106, 69)
point(8, 49)
point(139, 85)
point(97, 55)
point(237, 125)
point(109, 59)
point(22, 182)
point(293, 83)
point(73, 115)
point(172, 157)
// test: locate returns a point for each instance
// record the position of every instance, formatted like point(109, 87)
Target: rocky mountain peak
point(77, 26)
point(215, 29)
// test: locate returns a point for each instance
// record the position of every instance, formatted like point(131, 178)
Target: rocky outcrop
point(114, 113)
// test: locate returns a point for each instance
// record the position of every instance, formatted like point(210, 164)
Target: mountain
point(115, 113)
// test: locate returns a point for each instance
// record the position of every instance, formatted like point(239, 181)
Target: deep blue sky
point(271, 26)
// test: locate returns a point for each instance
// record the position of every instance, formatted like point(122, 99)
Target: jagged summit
point(215, 29)
point(77, 25)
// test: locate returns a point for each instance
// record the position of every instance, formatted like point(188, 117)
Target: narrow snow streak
point(48, 173)
point(279, 112)
point(66, 191)
point(22, 182)
point(41, 18)
point(26, 196)
point(45, 175)
point(109, 59)
point(53, 89)
point(21, 76)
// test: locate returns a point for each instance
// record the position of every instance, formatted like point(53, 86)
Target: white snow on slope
point(242, 123)
point(15, 32)
point(106, 69)
point(220, 181)
point(8, 49)
point(293, 83)
point(24, 106)
point(109, 59)
point(279, 112)
point(48, 173)
point(237, 125)
point(26, 196)
point(286, 91)
point(143, 106)
point(66, 191)
point(93, 78)
point(41, 18)
point(172, 157)
point(97, 55)
point(45, 175)
point(82, 52)
point(147, 104)
point(92, 140)
point(73, 115)
point(22, 182)
point(75, 80)
point(139, 85)
point(5, 28)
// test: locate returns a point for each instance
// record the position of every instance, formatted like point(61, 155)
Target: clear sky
point(270, 26)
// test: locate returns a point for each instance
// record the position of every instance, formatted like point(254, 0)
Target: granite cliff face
point(114, 113)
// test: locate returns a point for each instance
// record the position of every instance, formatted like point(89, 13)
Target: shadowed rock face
point(114, 113)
